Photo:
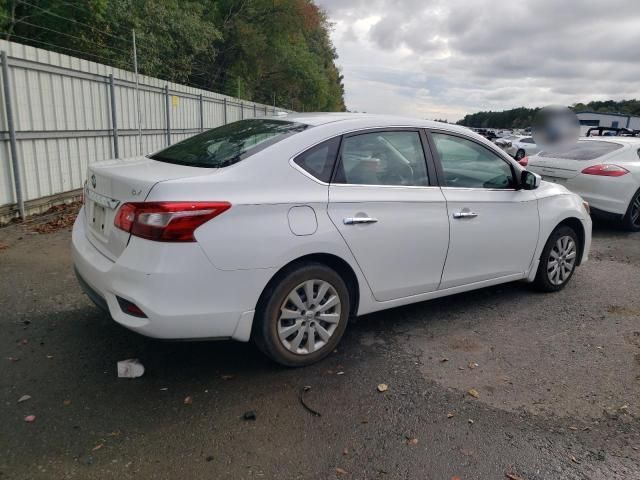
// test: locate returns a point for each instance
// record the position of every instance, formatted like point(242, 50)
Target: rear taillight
point(167, 221)
point(606, 170)
point(524, 161)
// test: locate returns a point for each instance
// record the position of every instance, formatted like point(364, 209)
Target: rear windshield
point(584, 150)
point(226, 145)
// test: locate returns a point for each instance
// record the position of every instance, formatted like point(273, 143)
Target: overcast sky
point(445, 58)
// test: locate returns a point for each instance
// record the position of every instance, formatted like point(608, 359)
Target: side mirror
point(529, 180)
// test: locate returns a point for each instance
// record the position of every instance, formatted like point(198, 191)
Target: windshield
point(228, 144)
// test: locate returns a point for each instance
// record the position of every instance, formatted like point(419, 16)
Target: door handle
point(356, 220)
point(464, 214)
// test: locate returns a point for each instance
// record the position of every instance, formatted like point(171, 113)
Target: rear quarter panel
point(256, 232)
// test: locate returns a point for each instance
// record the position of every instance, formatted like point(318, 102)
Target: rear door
point(385, 203)
point(494, 227)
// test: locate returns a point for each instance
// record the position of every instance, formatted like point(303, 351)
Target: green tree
point(261, 50)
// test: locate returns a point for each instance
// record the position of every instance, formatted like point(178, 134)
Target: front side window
point(318, 161)
point(467, 164)
point(228, 144)
point(527, 140)
point(383, 158)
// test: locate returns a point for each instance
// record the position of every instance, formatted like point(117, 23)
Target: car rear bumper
point(93, 295)
point(601, 214)
point(183, 295)
point(606, 195)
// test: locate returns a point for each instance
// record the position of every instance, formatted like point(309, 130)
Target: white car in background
point(605, 171)
point(518, 146)
point(279, 229)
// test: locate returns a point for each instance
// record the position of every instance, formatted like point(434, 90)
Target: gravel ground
point(557, 380)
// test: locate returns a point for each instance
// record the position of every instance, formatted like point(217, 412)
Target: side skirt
point(374, 306)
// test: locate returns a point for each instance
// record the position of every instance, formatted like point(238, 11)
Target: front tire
point(631, 220)
point(303, 315)
point(520, 154)
point(558, 260)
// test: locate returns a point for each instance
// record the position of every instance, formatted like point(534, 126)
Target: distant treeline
point(522, 117)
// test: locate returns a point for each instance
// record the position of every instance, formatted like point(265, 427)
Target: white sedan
point(280, 229)
point(605, 171)
point(517, 146)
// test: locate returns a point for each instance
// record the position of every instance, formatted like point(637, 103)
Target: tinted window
point(527, 140)
point(467, 164)
point(318, 161)
point(226, 145)
point(584, 150)
point(383, 158)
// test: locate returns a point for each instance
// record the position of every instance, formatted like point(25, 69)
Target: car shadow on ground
point(101, 342)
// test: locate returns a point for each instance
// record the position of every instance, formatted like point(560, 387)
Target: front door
point(388, 212)
point(494, 226)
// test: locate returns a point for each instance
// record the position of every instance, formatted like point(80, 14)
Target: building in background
point(615, 120)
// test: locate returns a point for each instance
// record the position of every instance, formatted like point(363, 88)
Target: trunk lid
point(569, 162)
point(110, 184)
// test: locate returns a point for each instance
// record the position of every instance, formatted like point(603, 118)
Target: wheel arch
point(334, 262)
point(575, 224)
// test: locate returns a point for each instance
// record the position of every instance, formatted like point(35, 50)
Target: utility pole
point(135, 69)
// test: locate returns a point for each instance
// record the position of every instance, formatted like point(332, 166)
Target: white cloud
point(446, 58)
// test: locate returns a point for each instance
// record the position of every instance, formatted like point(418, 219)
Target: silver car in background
point(518, 146)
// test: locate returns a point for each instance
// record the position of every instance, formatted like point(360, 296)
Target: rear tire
point(558, 260)
point(302, 315)
point(631, 220)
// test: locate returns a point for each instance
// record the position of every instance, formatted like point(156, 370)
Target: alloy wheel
point(562, 260)
point(309, 317)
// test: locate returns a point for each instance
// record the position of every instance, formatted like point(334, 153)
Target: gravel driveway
point(502, 381)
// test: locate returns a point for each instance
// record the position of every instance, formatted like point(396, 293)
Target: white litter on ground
point(131, 368)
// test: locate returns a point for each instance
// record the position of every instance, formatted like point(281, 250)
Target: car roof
point(369, 120)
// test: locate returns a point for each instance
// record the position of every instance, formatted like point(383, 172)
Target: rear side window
point(383, 158)
point(318, 161)
point(584, 150)
point(228, 144)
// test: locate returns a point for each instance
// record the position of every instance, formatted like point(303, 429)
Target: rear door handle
point(356, 220)
point(464, 214)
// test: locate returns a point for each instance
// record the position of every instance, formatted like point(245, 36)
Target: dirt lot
point(557, 378)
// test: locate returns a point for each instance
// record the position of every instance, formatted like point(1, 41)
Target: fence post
point(17, 173)
point(168, 113)
point(241, 111)
point(255, 113)
point(201, 114)
point(224, 103)
point(114, 116)
point(265, 111)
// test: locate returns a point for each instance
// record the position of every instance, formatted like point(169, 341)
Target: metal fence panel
point(64, 121)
